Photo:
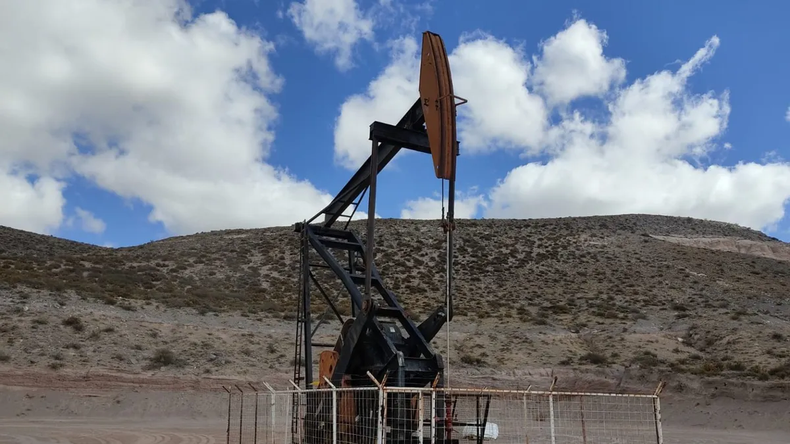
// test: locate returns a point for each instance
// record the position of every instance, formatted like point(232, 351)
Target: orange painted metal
point(347, 413)
point(346, 409)
point(327, 361)
point(438, 105)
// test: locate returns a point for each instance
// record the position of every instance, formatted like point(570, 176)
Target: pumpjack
point(378, 339)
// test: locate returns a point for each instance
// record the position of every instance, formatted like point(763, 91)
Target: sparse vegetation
point(546, 283)
point(472, 360)
point(646, 359)
point(164, 357)
point(594, 358)
point(75, 323)
point(781, 371)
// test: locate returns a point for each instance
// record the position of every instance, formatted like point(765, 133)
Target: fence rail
point(385, 415)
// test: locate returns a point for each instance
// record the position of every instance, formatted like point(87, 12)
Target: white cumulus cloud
point(647, 157)
point(502, 112)
point(488, 72)
point(332, 27)
point(573, 65)
point(648, 153)
point(466, 207)
point(387, 97)
point(89, 222)
point(148, 102)
point(33, 205)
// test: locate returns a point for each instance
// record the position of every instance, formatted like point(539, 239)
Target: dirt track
point(110, 432)
point(687, 435)
point(128, 409)
point(140, 421)
point(115, 431)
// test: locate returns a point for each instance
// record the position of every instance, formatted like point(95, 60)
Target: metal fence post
point(657, 407)
point(526, 409)
point(421, 414)
point(551, 410)
point(272, 409)
point(433, 415)
point(551, 418)
point(241, 412)
point(334, 409)
point(299, 430)
point(581, 413)
point(255, 430)
point(526, 412)
point(657, 411)
point(383, 420)
point(381, 415)
point(230, 398)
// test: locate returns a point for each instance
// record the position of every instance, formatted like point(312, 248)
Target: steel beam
point(374, 156)
point(413, 119)
point(403, 137)
point(356, 295)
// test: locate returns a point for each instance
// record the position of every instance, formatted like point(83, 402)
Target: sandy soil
point(773, 250)
point(553, 297)
point(98, 398)
point(689, 435)
point(94, 431)
point(123, 410)
point(194, 432)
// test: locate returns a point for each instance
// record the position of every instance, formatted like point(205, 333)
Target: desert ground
point(108, 390)
point(133, 345)
point(144, 415)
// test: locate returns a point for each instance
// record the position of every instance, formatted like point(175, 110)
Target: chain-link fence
point(384, 415)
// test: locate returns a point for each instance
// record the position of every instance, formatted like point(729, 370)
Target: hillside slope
point(670, 294)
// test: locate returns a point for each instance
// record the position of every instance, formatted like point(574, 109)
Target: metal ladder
point(297, 362)
point(355, 205)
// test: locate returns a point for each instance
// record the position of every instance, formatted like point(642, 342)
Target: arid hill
point(673, 295)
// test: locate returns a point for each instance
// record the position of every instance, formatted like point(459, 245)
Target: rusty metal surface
point(327, 360)
point(438, 104)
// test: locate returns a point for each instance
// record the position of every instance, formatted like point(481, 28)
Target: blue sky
point(569, 112)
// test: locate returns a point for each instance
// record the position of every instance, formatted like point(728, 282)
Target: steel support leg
point(374, 163)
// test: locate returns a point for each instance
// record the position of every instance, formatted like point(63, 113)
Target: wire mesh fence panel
point(402, 416)
point(260, 418)
point(605, 419)
point(481, 416)
point(343, 415)
point(248, 418)
point(538, 418)
point(318, 416)
point(234, 414)
point(425, 416)
point(275, 418)
point(359, 415)
point(528, 417)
